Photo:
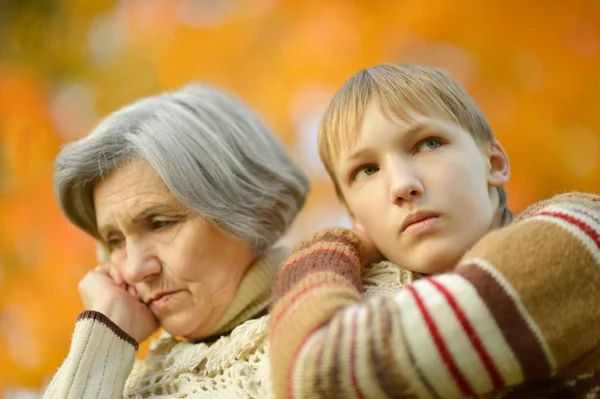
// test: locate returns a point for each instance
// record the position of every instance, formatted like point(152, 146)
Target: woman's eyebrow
point(151, 211)
point(141, 216)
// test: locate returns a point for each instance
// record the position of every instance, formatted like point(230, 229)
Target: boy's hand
point(370, 251)
point(104, 290)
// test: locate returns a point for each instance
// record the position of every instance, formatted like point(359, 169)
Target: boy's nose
point(405, 184)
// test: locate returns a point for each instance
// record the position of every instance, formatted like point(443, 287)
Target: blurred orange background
point(534, 67)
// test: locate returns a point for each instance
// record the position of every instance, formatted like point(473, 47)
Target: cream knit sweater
point(101, 363)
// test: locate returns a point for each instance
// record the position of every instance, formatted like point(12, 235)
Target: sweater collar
point(253, 295)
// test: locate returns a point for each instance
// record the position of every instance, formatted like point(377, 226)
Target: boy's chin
point(428, 262)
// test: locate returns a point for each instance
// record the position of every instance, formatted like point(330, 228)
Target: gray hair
point(213, 153)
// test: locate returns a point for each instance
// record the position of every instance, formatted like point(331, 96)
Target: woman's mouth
point(161, 301)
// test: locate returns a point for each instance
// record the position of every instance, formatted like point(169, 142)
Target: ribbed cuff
point(94, 315)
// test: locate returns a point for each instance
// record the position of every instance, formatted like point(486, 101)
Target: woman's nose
point(140, 263)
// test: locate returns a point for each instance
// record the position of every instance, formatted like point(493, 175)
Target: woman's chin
point(180, 327)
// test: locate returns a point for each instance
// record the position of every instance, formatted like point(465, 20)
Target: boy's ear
point(498, 165)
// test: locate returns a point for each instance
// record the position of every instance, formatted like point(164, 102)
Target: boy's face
point(424, 192)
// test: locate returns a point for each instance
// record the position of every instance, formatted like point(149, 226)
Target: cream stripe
point(520, 307)
point(455, 338)
point(329, 351)
point(365, 373)
point(426, 356)
point(483, 322)
point(414, 381)
point(345, 342)
point(577, 211)
point(298, 383)
point(586, 240)
point(296, 298)
point(292, 308)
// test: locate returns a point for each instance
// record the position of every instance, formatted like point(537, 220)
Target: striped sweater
point(518, 317)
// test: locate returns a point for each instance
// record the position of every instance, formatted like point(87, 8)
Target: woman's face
point(185, 269)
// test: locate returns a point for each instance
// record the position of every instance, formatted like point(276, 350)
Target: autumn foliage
point(534, 67)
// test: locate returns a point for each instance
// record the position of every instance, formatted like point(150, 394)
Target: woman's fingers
point(104, 290)
point(116, 276)
point(113, 273)
point(133, 292)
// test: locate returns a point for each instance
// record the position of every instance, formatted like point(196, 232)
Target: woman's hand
point(104, 290)
point(370, 251)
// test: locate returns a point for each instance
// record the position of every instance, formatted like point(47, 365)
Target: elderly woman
point(186, 193)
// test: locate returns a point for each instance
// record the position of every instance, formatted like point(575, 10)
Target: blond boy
point(506, 309)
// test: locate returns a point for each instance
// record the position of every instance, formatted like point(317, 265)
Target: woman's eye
point(114, 243)
point(161, 224)
point(429, 145)
point(365, 171)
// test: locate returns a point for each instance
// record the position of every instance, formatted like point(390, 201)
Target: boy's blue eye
point(429, 145)
point(365, 171)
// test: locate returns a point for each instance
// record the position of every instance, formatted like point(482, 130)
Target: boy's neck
point(502, 218)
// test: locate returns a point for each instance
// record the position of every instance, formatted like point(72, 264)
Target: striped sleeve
point(521, 307)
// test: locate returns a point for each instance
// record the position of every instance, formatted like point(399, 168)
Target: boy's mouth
point(418, 222)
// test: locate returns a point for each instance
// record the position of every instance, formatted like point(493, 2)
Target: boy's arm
point(99, 361)
point(520, 307)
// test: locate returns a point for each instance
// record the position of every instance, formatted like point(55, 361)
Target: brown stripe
point(336, 332)
point(314, 262)
point(379, 340)
point(555, 277)
point(329, 360)
point(330, 235)
point(326, 366)
point(587, 386)
point(556, 388)
point(342, 364)
point(337, 243)
point(317, 353)
point(521, 339)
point(97, 316)
point(381, 347)
point(334, 242)
point(373, 333)
point(315, 358)
point(287, 335)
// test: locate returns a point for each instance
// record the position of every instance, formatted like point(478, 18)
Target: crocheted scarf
point(229, 362)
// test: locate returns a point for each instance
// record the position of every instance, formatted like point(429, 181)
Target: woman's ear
point(498, 165)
